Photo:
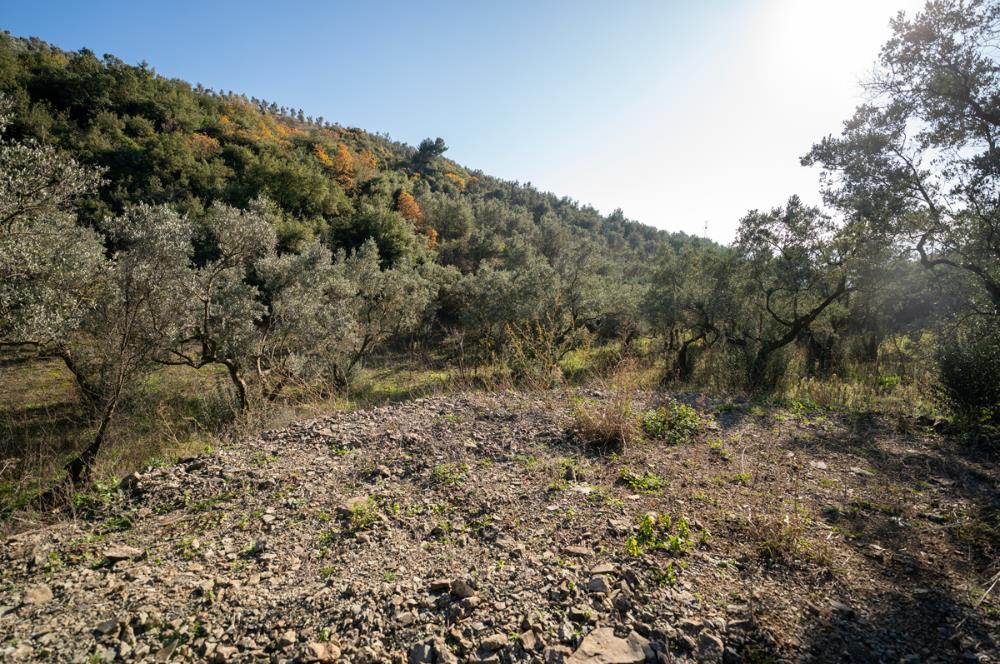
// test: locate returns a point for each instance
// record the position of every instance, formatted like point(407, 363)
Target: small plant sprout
point(645, 483)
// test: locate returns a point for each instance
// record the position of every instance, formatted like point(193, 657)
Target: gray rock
point(225, 653)
point(107, 627)
point(461, 588)
point(530, 641)
point(442, 652)
point(22, 652)
point(420, 653)
point(599, 584)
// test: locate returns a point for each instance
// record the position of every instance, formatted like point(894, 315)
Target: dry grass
point(609, 422)
point(42, 425)
point(178, 412)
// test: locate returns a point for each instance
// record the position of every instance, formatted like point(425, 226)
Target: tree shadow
point(912, 507)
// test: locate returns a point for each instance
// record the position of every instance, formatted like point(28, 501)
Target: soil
point(485, 528)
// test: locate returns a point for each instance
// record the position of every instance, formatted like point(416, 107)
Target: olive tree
point(221, 324)
point(141, 300)
point(921, 158)
point(272, 318)
point(49, 265)
point(379, 304)
point(690, 302)
point(795, 265)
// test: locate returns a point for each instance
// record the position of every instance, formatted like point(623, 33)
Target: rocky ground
point(482, 528)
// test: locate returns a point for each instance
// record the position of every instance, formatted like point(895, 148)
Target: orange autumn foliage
point(409, 208)
point(432, 238)
point(323, 157)
point(457, 179)
point(343, 166)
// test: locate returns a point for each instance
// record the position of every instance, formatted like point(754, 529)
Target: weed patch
point(674, 422)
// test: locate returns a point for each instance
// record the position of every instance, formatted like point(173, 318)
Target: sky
point(681, 113)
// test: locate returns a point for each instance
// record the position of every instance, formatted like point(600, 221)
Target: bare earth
point(479, 528)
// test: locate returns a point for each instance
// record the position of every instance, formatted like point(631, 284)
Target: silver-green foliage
point(47, 263)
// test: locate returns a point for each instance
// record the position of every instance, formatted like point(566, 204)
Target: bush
point(675, 422)
point(969, 371)
point(534, 349)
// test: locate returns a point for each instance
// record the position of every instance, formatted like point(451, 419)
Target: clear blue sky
point(676, 112)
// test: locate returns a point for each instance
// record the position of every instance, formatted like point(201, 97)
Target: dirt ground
point(483, 528)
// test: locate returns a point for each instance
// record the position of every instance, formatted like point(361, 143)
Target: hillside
point(166, 141)
point(277, 390)
point(480, 528)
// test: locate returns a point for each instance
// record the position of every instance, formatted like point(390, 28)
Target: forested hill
point(166, 141)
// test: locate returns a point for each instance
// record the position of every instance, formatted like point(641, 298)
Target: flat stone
point(440, 585)
point(121, 552)
point(556, 654)
point(577, 551)
point(37, 595)
point(601, 646)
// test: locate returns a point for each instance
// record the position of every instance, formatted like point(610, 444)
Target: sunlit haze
point(679, 113)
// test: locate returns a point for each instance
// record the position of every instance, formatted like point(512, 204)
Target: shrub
point(450, 474)
point(675, 422)
point(533, 350)
point(361, 516)
point(968, 370)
